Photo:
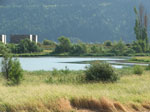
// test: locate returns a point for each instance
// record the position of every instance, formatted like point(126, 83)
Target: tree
point(26, 46)
point(49, 42)
point(11, 68)
point(119, 48)
point(64, 45)
point(97, 49)
point(79, 48)
point(13, 48)
point(6, 63)
point(108, 43)
point(2, 47)
point(16, 73)
point(140, 28)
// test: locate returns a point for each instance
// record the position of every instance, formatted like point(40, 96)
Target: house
point(17, 38)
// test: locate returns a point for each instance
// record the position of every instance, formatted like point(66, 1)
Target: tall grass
point(65, 76)
point(34, 94)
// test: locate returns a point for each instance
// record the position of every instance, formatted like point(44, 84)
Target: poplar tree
point(140, 28)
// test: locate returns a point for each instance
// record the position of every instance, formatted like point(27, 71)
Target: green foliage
point(2, 47)
point(66, 76)
point(79, 49)
point(49, 42)
point(148, 67)
point(119, 48)
point(140, 30)
point(16, 72)
point(13, 48)
point(26, 46)
point(129, 51)
point(97, 49)
point(140, 46)
point(124, 71)
point(137, 69)
point(11, 69)
point(64, 45)
point(6, 65)
point(136, 47)
point(108, 43)
point(63, 71)
point(101, 72)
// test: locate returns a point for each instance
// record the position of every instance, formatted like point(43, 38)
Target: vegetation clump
point(138, 70)
point(65, 76)
point(148, 67)
point(101, 72)
point(108, 43)
point(64, 45)
point(11, 68)
point(48, 42)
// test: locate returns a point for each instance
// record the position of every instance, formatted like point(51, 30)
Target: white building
point(3, 39)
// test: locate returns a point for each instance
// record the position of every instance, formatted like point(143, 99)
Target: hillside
point(87, 20)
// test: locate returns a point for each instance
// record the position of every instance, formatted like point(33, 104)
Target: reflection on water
point(48, 63)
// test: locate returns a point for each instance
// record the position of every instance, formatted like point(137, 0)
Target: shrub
point(11, 69)
point(97, 49)
point(101, 72)
point(119, 48)
point(79, 49)
point(108, 43)
point(148, 67)
point(26, 46)
point(137, 69)
point(64, 45)
point(16, 72)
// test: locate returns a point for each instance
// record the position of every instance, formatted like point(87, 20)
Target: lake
point(72, 63)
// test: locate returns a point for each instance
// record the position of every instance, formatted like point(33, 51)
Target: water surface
point(49, 63)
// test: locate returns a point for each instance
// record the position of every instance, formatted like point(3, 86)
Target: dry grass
point(35, 95)
point(102, 105)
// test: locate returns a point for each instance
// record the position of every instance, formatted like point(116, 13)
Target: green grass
point(141, 59)
point(34, 89)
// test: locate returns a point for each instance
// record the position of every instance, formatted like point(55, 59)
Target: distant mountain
point(87, 20)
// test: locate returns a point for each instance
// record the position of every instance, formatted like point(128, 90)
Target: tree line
point(64, 46)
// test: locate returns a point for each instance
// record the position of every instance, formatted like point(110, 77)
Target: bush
point(11, 69)
point(101, 72)
point(138, 70)
point(26, 46)
point(16, 72)
point(119, 48)
point(64, 45)
point(49, 42)
point(79, 49)
point(148, 67)
point(108, 43)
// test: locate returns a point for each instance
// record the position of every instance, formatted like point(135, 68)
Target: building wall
point(35, 38)
point(17, 38)
point(3, 39)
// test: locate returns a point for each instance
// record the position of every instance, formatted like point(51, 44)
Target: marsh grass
point(141, 59)
point(34, 94)
point(124, 71)
point(65, 76)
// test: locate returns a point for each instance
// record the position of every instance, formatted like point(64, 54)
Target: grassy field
point(141, 59)
point(40, 93)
